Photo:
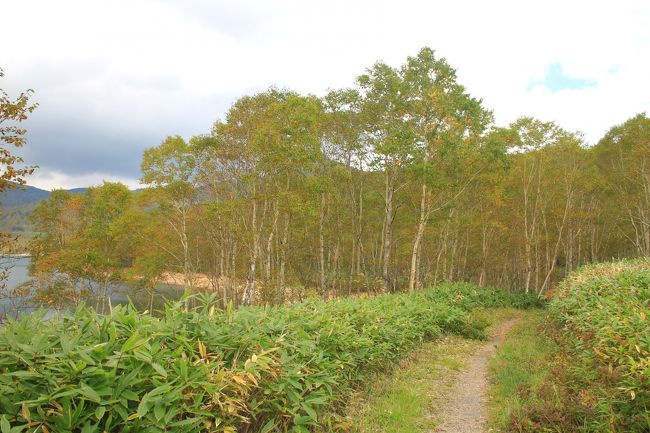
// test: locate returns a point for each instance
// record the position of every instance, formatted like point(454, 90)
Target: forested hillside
point(22, 195)
point(17, 204)
point(402, 181)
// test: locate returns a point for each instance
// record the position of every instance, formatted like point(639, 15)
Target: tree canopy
point(397, 183)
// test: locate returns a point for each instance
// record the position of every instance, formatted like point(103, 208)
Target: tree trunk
point(388, 233)
point(249, 288)
point(283, 257)
point(424, 215)
point(321, 238)
point(557, 246)
point(269, 242)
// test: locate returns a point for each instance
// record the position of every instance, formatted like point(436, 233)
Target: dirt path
point(466, 410)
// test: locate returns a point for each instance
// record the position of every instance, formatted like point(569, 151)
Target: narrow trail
point(466, 410)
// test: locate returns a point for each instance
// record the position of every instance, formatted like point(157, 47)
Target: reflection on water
point(17, 274)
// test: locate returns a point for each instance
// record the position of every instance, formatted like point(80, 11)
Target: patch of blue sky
point(555, 80)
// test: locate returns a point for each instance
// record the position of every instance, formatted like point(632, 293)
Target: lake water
point(17, 271)
point(18, 274)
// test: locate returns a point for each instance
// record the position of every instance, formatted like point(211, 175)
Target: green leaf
point(310, 411)
point(99, 412)
point(5, 427)
point(159, 411)
point(159, 369)
point(143, 407)
point(131, 343)
point(89, 393)
point(89, 428)
point(186, 422)
point(270, 424)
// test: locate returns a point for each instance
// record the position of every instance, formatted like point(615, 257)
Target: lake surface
point(18, 273)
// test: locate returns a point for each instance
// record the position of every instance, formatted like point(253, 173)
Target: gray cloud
point(106, 128)
point(77, 150)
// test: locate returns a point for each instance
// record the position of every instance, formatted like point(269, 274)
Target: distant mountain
point(78, 190)
point(28, 195)
point(22, 196)
point(17, 204)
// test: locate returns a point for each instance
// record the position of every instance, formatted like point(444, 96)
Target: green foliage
point(12, 113)
point(587, 368)
point(252, 369)
point(603, 310)
point(81, 238)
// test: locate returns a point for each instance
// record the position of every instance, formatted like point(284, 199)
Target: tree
point(384, 110)
point(266, 144)
point(12, 113)
point(623, 156)
point(171, 170)
point(400, 182)
point(57, 279)
point(148, 246)
point(447, 123)
point(343, 144)
point(80, 248)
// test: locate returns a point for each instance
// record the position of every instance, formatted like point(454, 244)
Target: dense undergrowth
point(603, 311)
point(588, 365)
point(208, 370)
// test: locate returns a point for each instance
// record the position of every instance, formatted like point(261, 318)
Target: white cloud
point(136, 71)
point(51, 179)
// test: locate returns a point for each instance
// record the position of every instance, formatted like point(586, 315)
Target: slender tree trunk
point(484, 253)
point(152, 292)
point(321, 238)
point(360, 266)
point(388, 232)
point(283, 257)
point(234, 292)
point(547, 280)
point(424, 215)
point(249, 288)
point(452, 261)
point(269, 242)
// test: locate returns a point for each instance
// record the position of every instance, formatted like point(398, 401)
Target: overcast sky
point(115, 77)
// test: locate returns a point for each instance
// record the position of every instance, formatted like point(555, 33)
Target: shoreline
point(15, 255)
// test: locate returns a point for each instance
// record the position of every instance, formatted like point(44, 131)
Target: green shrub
point(603, 314)
point(207, 370)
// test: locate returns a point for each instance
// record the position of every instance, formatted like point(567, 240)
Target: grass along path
point(424, 391)
point(519, 369)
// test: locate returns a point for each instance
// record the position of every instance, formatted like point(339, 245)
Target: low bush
point(261, 369)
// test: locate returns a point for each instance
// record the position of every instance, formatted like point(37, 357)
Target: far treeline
point(401, 182)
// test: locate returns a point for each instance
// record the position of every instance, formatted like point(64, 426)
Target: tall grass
point(272, 369)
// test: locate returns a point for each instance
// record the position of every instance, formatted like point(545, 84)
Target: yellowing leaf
point(240, 380)
point(202, 351)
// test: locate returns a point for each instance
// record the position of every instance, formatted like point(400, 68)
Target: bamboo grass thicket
point(602, 312)
point(258, 369)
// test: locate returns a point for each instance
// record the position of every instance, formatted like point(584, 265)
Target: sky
point(115, 77)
